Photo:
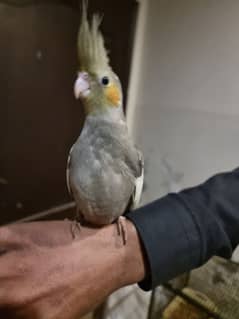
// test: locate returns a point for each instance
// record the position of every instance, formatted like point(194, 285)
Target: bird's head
point(96, 85)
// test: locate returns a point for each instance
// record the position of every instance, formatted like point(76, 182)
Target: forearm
point(182, 231)
point(136, 263)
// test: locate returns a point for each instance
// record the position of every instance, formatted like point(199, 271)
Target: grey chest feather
point(103, 167)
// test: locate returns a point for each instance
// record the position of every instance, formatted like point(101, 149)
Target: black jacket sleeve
point(182, 231)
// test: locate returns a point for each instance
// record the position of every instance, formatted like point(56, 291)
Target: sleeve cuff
point(170, 238)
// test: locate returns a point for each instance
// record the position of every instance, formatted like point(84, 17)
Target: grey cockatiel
point(105, 170)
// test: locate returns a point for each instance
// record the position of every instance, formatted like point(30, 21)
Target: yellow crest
point(91, 50)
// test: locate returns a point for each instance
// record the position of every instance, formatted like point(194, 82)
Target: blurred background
point(179, 65)
point(186, 111)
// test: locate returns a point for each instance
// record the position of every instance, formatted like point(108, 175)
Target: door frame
point(136, 63)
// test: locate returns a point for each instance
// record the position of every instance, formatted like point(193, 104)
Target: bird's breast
point(100, 184)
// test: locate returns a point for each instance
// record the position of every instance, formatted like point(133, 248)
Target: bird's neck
point(111, 114)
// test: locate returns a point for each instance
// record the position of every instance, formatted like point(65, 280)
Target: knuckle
point(10, 239)
point(5, 234)
point(14, 298)
point(7, 298)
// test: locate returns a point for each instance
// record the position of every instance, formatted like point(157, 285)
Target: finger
point(8, 239)
point(6, 272)
point(15, 270)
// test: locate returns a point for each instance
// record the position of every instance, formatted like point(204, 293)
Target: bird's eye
point(105, 80)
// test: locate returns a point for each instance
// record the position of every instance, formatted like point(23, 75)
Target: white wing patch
point(68, 172)
point(139, 182)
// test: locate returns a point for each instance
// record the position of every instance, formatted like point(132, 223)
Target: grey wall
point(187, 115)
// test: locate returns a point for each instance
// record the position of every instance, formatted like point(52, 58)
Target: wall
point(185, 113)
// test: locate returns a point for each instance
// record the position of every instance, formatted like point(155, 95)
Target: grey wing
point(68, 172)
point(139, 182)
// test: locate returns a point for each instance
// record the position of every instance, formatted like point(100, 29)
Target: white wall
point(185, 116)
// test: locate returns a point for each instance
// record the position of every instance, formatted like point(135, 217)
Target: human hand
point(44, 273)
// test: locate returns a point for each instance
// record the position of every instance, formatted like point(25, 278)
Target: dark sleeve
point(182, 231)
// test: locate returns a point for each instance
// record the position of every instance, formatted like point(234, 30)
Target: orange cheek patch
point(113, 95)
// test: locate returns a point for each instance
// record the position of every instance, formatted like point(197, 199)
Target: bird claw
point(122, 229)
point(75, 225)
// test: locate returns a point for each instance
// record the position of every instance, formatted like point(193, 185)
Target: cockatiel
point(105, 170)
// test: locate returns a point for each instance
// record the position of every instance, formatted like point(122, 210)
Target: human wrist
point(124, 264)
point(102, 256)
point(134, 257)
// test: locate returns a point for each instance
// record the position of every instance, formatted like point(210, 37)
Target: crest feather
point(91, 49)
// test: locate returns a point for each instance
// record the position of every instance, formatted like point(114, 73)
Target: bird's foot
point(75, 226)
point(122, 229)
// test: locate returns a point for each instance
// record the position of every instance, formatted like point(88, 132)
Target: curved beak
point(82, 85)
